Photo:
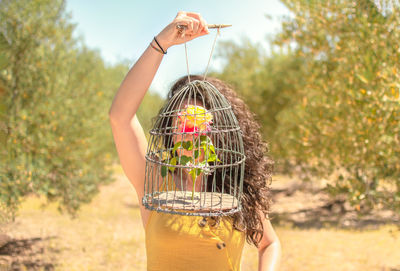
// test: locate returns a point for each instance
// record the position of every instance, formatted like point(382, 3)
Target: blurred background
point(323, 78)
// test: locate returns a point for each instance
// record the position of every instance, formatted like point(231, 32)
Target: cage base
point(202, 201)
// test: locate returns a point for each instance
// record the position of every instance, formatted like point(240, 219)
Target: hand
point(171, 35)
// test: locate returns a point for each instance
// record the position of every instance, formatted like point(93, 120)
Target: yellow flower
point(195, 118)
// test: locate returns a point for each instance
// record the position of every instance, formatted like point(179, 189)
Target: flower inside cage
point(194, 118)
point(192, 121)
point(193, 146)
point(203, 161)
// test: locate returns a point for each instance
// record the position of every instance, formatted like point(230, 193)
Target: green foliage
point(328, 98)
point(201, 141)
point(268, 84)
point(350, 111)
point(55, 93)
point(146, 112)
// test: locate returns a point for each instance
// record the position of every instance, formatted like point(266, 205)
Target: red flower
point(194, 119)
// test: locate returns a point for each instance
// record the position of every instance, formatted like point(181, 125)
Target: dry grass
point(108, 235)
point(331, 249)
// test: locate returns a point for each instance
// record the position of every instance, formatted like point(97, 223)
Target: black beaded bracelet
point(164, 52)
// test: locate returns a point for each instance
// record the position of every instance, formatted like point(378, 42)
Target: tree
point(328, 96)
point(55, 136)
point(269, 84)
point(350, 115)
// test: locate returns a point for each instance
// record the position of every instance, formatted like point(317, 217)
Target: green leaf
point(163, 171)
point(197, 143)
point(190, 145)
point(362, 78)
point(176, 146)
point(184, 145)
point(187, 145)
point(196, 154)
point(212, 148)
point(185, 159)
point(212, 158)
point(173, 162)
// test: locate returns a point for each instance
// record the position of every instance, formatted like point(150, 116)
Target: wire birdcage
point(195, 157)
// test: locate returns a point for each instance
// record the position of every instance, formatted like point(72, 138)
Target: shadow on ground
point(26, 254)
point(302, 206)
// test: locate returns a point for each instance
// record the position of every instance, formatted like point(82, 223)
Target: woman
point(175, 242)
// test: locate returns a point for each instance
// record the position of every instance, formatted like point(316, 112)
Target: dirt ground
point(42, 239)
point(306, 205)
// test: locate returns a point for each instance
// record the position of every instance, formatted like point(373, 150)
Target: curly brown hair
point(259, 166)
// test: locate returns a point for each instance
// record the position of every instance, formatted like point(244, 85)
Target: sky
point(122, 30)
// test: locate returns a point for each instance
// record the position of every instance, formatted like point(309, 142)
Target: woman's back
point(176, 242)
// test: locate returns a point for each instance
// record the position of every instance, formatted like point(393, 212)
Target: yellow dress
point(177, 242)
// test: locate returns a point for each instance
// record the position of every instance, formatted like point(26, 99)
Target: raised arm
point(129, 137)
point(139, 78)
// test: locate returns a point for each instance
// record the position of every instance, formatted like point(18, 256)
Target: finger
point(194, 15)
point(196, 26)
point(187, 21)
point(184, 32)
point(202, 33)
point(190, 29)
point(204, 25)
point(180, 13)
